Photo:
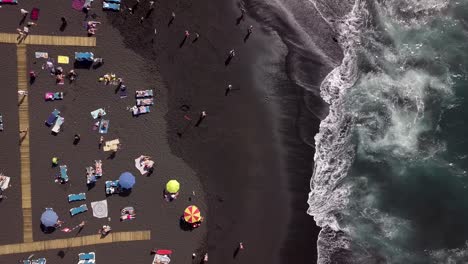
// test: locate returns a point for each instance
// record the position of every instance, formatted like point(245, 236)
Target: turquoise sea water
point(400, 192)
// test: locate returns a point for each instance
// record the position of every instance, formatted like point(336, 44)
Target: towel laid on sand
point(78, 4)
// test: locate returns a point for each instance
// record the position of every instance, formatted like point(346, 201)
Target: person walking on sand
point(228, 89)
point(205, 258)
point(141, 20)
point(196, 37)
point(200, 119)
point(232, 53)
point(249, 31)
point(101, 141)
point(151, 4)
point(172, 19)
point(24, 12)
point(187, 34)
point(241, 246)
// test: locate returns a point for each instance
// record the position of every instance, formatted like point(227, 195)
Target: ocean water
point(390, 183)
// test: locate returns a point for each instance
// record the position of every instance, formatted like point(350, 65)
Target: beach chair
point(84, 56)
point(52, 117)
point(138, 110)
point(98, 165)
point(112, 187)
point(110, 6)
point(58, 125)
point(87, 258)
point(1, 123)
point(145, 102)
point(63, 173)
point(114, 1)
point(8, 1)
point(35, 261)
point(144, 93)
point(98, 113)
point(53, 96)
point(78, 210)
point(104, 126)
point(76, 197)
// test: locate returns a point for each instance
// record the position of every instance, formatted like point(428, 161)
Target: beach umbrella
point(192, 214)
point(172, 186)
point(126, 180)
point(49, 217)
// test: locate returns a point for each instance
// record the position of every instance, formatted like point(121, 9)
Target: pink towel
point(78, 4)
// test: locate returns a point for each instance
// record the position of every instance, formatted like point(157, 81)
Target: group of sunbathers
point(57, 71)
point(108, 78)
point(92, 27)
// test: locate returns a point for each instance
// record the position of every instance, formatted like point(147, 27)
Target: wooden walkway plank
point(74, 242)
point(49, 40)
point(25, 156)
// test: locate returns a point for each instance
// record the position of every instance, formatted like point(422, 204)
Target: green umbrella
point(172, 186)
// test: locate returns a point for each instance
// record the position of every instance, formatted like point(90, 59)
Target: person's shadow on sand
point(183, 42)
point(227, 61)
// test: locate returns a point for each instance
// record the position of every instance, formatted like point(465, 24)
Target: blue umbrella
point(126, 180)
point(49, 217)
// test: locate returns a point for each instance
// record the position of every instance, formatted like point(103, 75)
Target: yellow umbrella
point(172, 186)
point(192, 214)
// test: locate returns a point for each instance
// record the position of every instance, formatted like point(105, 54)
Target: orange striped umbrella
point(192, 214)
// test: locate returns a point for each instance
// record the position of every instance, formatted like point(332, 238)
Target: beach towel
point(141, 166)
point(63, 59)
point(104, 126)
point(34, 14)
point(95, 113)
point(43, 55)
point(100, 209)
point(78, 4)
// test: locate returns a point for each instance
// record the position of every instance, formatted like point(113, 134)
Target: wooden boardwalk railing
point(74, 242)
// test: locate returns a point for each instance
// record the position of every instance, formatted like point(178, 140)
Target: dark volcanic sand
point(236, 151)
point(143, 135)
point(256, 189)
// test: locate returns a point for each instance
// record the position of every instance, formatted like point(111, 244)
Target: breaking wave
point(389, 182)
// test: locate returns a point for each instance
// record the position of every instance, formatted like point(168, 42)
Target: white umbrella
point(99, 209)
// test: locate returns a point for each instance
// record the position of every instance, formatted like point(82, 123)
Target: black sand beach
point(246, 161)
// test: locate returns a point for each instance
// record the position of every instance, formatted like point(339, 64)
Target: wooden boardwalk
point(25, 160)
point(49, 40)
point(74, 242)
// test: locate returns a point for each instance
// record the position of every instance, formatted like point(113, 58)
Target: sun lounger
point(113, 1)
point(78, 210)
point(146, 101)
point(104, 126)
point(35, 261)
point(87, 256)
point(1, 123)
point(63, 173)
point(110, 6)
point(53, 96)
point(58, 124)
point(98, 113)
point(98, 165)
point(144, 93)
point(52, 117)
point(138, 110)
point(76, 197)
point(84, 56)
point(112, 187)
point(8, 1)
